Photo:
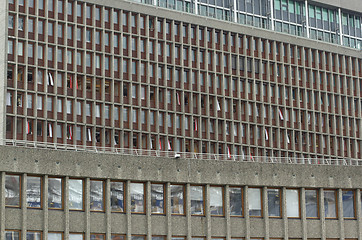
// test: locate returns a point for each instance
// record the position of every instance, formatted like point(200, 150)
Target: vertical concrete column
point(3, 67)
point(266, 213)
point(148, 210)
point(66, 208)
point(107, 206)
point(207, 212)
point(303, 215)
point(127, 203)
point(45, 207)
point(188, 211)
point(322, 214)
point(2, 205)
point(359, 212)
point(283, 204)
point(246, 213)
point(86, 208)
point(167, 197)
point(340, 214)
point(23, 206)
point(227, 212)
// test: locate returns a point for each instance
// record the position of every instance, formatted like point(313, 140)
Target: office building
point(177, 119)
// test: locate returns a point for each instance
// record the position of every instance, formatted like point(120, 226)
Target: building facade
point(53, 194)
point(137, 76)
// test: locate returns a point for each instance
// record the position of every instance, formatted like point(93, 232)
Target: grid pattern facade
point(86, 74)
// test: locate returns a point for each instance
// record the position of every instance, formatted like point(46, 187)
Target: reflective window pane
point(137, 237)
point(12, 190)
point(76, 236)
point(311, 203)
point(330, 204)
point(254, 198)
point(216, 201)
point(197, 200)
point(117, 196)
point(96, 195)
point(75, 194)
point(12, 235)
point(292, 198)
point(157, 198)
point(117, 237)
point(158, 238)
point(137, 197)
point(348, 204)
point(274, 202)
point(33, 235)
point(33, 192)
point(177, 199)
point(55, 236)
point(236, 206)
point(94, 236)
point(55, 190)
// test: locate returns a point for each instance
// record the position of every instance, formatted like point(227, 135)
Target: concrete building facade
point(71, 195)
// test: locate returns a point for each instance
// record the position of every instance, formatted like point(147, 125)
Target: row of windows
point(245, 44)
point(199, 195)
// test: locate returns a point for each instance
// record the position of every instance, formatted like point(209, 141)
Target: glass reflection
point(117, 196)
point(157, 201)
point(330, 204)
point(137, 197)
point(216, 201)
point(292, 199)
point(96, 195)
point(177, 199)
point(235, 195)
point(75, 194)
point(311, 203)
point(12, 190)
point(55, 188)
point(274, 202)
point(33, 192)
point(254, 202)
point(197, 200)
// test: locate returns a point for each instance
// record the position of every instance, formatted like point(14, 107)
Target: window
point(117, 196)
point(55, 190)
point(311, 203)
point(12, 190)
point(330, 204)
point(95, 236)
point(96, 195)
point(12, 235)
point(255, 202)
point(55, 236)
point(137, 197)
point(274, 209)
point(292, 200)
point(75, 194)
point(348, 203)
point(197, 200)
point(236, 201)
point(216, 201)
point(177, 199)
point(33, 192)
point(33, 235)
point(157, 198)
point(76, 236)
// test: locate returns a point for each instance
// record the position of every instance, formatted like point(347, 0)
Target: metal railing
point(189, 155)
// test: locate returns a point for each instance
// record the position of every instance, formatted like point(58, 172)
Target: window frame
point(203, 200)
point(20, 192)
point(354, 203)
point(164, 193)
point(83, 191)
point(261, 203)
point(280, 203)
point(222, 198)
point(183, 199)
point(336, 203)
point(124, 196)
point(242, 201)
point(318, 202)
point(103, 195)
point(144, 198)
point(299, 203)
point(41, 191)
point(62, 193)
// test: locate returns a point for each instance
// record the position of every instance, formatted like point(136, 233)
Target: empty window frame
point(311, 203)
point(12, 191)
point(177, 199)
point(274, 207)
point(117, 196)
point(76, 190)
point(137, 191)
point(96, 195)
point(348, 199)
point(216, 201)
point(292, 203)
point(157, 198)
point(255, 202)
point(197, 200)
point(33, 192)
point(55, 193)
point(236, 201)
point(330, 204)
